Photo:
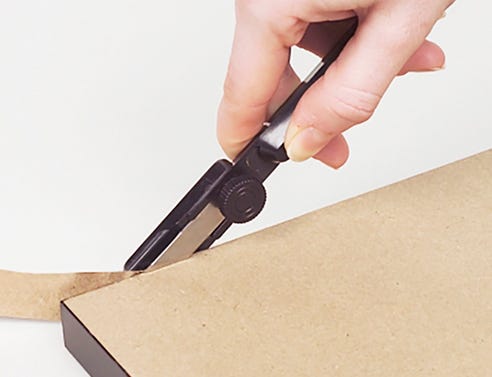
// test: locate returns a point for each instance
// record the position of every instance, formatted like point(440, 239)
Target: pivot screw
point(242, 199)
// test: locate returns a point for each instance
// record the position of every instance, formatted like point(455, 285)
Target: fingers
point(258, 61)
point(259, 77)
point(320, 37)
point(229, 131)
point(428, 57)
point(335, 154)
point(353, 86)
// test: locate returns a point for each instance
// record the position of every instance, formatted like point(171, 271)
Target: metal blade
point(191, 237)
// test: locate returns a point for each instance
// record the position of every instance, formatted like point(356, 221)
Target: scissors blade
point(191, 237)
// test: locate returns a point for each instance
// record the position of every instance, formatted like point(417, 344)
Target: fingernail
point(438, 68)
point(306, 143)
point(291, 132)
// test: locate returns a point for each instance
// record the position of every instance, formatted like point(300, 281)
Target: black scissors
point(229, 192)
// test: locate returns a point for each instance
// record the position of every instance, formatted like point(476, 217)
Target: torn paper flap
point(38, 296)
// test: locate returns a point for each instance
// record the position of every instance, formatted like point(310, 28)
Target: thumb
point(351, 89)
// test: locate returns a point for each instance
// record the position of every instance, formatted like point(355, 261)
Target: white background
point(107, 117)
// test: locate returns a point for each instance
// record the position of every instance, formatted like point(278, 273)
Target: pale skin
point(390, 41)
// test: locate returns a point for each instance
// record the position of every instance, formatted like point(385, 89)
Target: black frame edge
point(86, 349)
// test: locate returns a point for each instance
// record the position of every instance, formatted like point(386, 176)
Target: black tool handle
point(266, 150)
point(236, 189)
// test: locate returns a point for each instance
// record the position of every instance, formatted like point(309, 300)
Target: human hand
point(390, 40)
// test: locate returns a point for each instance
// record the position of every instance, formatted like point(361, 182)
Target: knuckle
point(412, 29)
point(230, 86)
point(237, 94)
point(254, 9)
point(290, 29)
point(272, 17)
point(354, 105)
point(247, 4)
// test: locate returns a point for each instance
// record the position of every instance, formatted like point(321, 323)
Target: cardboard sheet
point(38, 296)
point(397, 282)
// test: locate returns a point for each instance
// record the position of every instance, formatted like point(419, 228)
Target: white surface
point(107, 116)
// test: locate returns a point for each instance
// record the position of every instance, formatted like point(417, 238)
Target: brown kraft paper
point(38, 296)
